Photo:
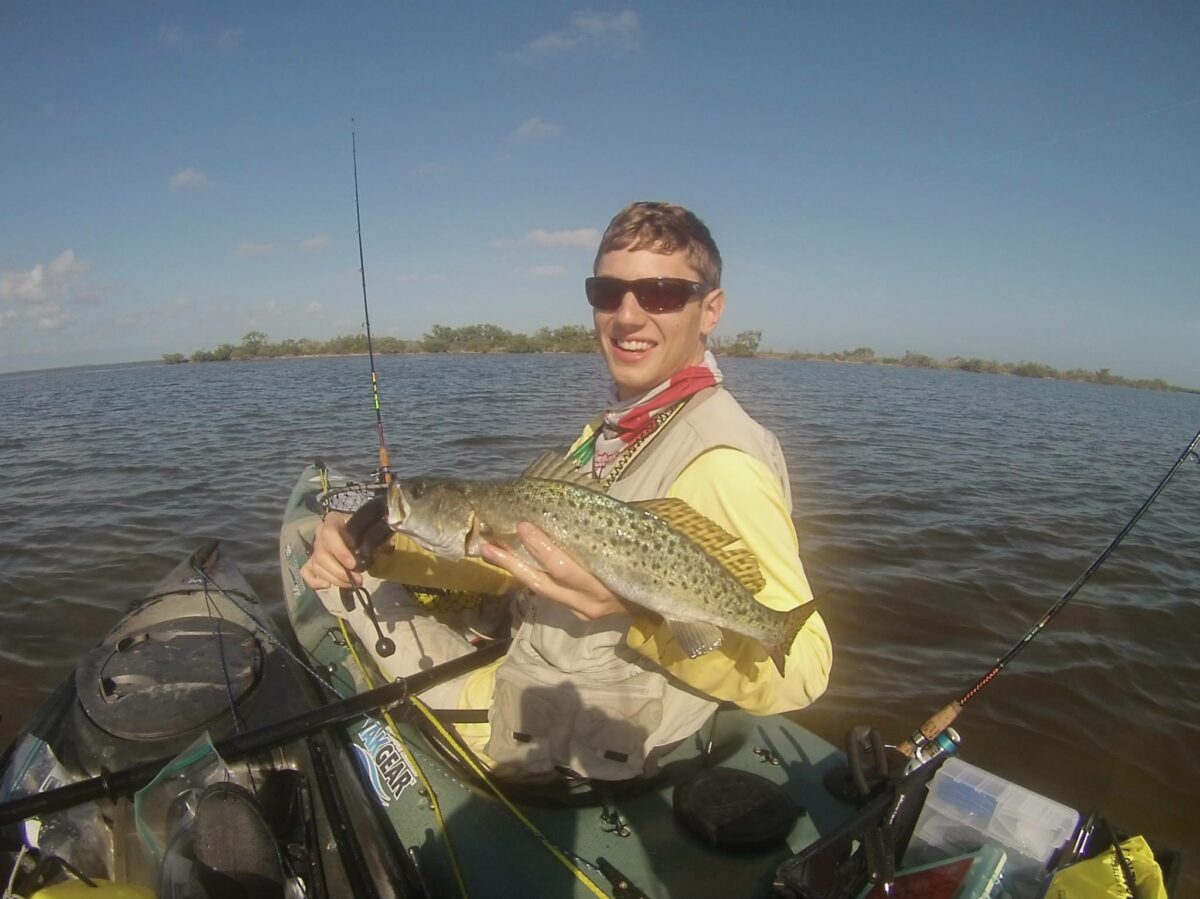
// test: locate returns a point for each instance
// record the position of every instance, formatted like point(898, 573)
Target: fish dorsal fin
point(554, 466)
point(709, 536)
point(704, 532)
point(743, 565)
point(695, 638)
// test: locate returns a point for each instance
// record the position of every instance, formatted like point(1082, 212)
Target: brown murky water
point(943, 513)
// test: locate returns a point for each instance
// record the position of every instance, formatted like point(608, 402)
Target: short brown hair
point(664, 228)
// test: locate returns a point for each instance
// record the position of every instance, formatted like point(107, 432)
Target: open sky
point(1008, 180)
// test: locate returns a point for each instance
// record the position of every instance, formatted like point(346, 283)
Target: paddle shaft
point(112, 784)
point(945, 716)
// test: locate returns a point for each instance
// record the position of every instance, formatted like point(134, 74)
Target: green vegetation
point(579, 339)
point(745, 344)
point(866, 355)
point(439, 339)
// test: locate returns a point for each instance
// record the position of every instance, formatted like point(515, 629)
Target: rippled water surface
point(940, 514)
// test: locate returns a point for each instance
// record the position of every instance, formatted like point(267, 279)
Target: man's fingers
point(322, 571)
point(551, 557)
point(332, 539)
point(527, 574)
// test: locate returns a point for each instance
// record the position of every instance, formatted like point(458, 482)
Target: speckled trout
point(659, 554)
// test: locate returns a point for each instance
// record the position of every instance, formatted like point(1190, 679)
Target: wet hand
point(332, 562)
point(560, 577)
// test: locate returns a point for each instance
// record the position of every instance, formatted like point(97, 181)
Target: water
point(940, 514)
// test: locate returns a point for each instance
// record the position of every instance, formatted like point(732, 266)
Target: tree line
point(866, 355)
point(580, 339)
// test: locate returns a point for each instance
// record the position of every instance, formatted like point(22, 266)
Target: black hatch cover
point(169, 678)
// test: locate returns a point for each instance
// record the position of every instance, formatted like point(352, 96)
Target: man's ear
point(712, 307)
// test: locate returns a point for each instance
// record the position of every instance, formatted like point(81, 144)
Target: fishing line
point(385, 647)
point(215, 615)
point(385, 473)
point(945, 716)
point(261, 631)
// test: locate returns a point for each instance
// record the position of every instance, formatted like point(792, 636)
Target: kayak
point(197, 660)
point(198, 752)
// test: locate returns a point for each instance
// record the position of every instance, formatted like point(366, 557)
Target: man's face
point(644, 349)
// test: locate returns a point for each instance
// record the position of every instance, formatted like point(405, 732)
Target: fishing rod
point(111, 784)
point(385, 471)
point(943, 718)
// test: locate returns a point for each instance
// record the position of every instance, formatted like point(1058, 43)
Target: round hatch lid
point(169, 678)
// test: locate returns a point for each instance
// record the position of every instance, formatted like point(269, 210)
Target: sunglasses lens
point(663, 295)
point(605, 293)
point(653, 294)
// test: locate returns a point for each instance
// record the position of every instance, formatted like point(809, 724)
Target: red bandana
point(632, 420)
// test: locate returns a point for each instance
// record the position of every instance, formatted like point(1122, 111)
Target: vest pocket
point(614, 723)
point(522, 719)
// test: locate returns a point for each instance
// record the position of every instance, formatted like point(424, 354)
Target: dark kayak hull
point(197, 657)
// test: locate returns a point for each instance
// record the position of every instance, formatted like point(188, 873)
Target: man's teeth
point(634, 345)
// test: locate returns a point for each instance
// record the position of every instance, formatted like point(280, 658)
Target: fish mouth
point(397, 506)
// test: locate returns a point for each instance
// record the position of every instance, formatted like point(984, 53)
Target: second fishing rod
point(933, 728)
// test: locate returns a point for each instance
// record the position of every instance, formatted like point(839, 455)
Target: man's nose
point(630, 310)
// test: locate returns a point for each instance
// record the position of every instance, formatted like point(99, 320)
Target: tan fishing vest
point(571, 694)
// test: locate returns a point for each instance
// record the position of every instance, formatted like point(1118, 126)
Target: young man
point(593, 685)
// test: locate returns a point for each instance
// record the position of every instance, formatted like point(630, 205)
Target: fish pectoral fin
point(695, 638)
point(743, 565)
point(556, 466)
point(703, 531)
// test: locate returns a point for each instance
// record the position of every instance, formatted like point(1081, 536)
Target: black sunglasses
point(652, 294)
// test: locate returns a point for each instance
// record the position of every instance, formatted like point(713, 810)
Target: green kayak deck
point(638, 834)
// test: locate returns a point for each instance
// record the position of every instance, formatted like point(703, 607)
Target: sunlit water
point(940, 514)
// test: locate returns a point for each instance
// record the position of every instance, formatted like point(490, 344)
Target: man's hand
point(564, 580)
point(332, 561)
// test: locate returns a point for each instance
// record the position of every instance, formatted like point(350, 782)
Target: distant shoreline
point(491, 339)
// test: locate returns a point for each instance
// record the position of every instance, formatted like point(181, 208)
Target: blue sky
point(1011, 181)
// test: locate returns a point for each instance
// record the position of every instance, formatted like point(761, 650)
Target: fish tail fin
point(793, 622)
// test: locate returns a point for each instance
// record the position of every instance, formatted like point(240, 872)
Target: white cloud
point(588, 238)
point(47, 316)
point(532, 129)
point(612, 33)
point(51, 281)
point(186, 179)
point(315, 309)
point(231, 39)
point(543, 272)
point(314, 244)
point(248, 249)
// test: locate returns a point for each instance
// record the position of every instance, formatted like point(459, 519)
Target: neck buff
point(631, 421)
